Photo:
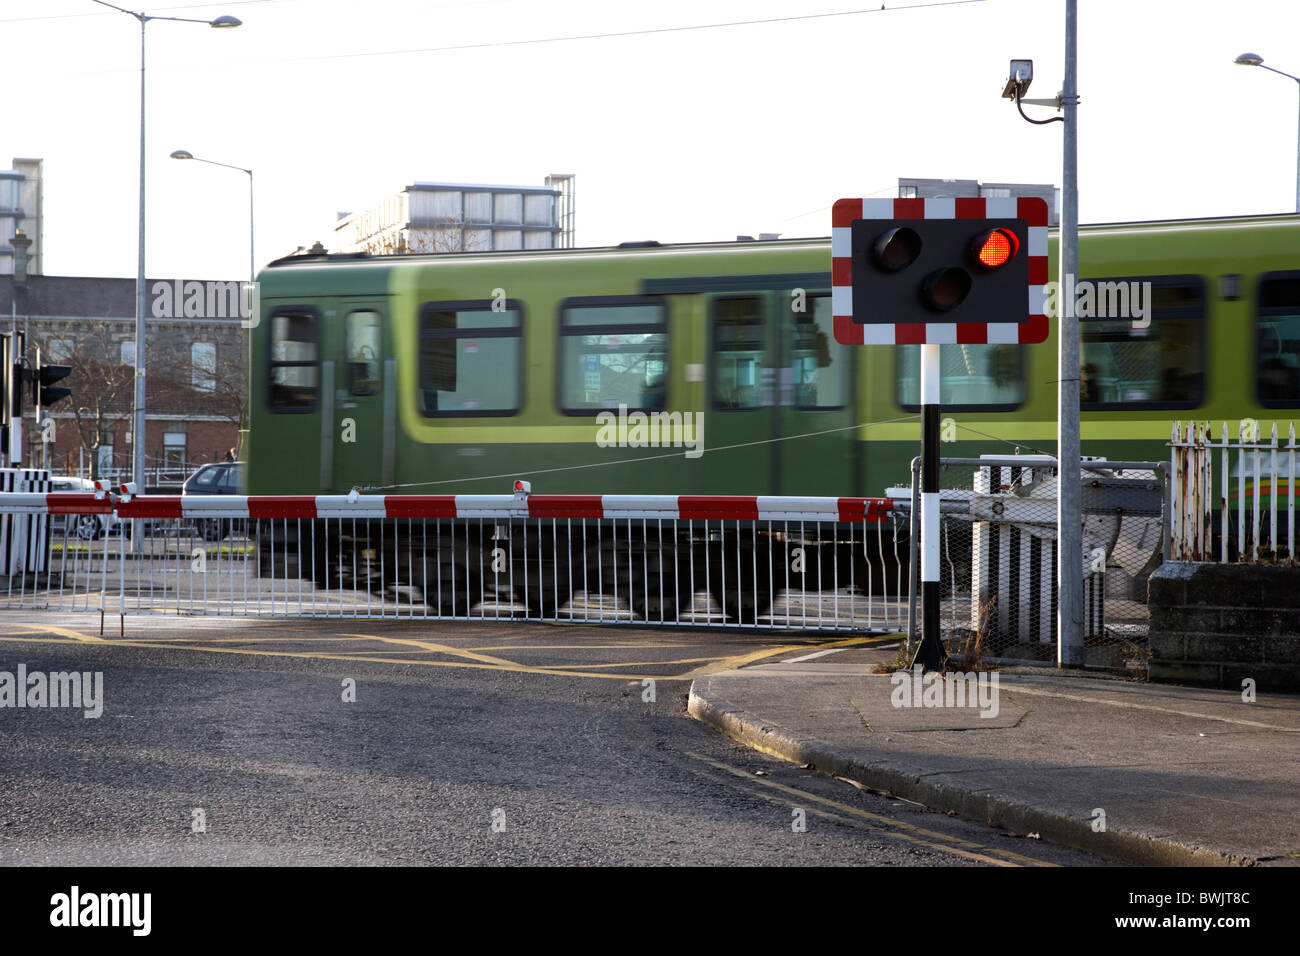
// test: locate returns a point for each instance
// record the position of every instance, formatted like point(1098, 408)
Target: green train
point(712, 368)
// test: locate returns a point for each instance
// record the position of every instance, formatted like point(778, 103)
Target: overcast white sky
point(683, 135)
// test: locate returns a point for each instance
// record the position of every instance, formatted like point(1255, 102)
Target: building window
point(906, 192)
point(995, 192)
point(1277, 340)
point(508, 208)
point(128, 352)
point(1152, 360)
point(61, 349)
point(174, 453)
point(203, 365)
point(471, 360)
point(613, 352)
point(293, 375)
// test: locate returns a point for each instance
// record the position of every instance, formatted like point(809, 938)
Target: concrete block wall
point(1215, 624)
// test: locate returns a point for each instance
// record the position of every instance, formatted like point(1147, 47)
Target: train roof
point(1131, 227)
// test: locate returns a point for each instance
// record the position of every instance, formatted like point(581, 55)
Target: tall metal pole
point(252, 274)
point(1069, 563)
point(138, 436)
point(138, 421)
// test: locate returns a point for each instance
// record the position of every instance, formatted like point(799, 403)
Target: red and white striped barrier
point(54, 503)
point(665, 507)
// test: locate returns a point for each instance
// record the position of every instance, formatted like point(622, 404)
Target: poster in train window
point(613, 354)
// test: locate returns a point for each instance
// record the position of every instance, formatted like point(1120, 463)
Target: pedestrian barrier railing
point(999, 556)
point(831, 564)
point(1231, 500)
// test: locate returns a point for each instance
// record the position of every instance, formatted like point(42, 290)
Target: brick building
point(195, 391)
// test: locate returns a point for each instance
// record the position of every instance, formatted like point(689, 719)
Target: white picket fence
point(1231, 500)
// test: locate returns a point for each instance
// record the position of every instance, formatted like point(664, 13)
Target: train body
point(712, 369)
point(706, 370)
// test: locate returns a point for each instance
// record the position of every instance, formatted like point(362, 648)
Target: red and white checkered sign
point(1031, 209)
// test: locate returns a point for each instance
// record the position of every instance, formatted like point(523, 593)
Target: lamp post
point(1069, 515)
point(252, 268)
point(186, 154)
point(1254, 59)
point(138, 422)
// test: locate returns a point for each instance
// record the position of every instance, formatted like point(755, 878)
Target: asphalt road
point(231, 742)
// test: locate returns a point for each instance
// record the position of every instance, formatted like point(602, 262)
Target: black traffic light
point(915, 270)
point(44, 391)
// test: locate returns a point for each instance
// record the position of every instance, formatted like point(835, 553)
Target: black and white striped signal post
point(933, 272)
point(931, 654)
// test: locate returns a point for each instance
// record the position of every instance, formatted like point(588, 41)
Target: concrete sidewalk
point(1183, 776)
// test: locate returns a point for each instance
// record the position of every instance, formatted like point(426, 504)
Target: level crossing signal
point(939, 271)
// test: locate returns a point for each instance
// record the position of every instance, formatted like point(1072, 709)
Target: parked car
point(85, 527)
point(219, 478)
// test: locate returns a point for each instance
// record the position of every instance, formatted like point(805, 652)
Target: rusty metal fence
point(1231, 500)
point(824, 564)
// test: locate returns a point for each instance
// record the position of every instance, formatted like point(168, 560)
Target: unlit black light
point(945, 289)
point(896, 249)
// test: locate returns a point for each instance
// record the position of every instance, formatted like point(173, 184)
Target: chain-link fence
point(998, 557)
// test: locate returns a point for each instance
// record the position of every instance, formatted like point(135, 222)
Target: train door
point(286, 421)
point(815, 407)
point(363, 393)
point(741, 396)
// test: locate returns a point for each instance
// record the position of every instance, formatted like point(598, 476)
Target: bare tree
point(103, 388)
point(182, 381)
point(445, 235)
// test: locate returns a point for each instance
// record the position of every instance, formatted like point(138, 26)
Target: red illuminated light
point(998, 248)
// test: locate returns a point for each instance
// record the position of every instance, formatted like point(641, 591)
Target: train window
point(1277, 340)
point(738, 352)
point(613, 352)
point(470, 358)
point(821, 365)
point(363, 348)
point(1135, 353)
point(971, 377)
point(293, 372)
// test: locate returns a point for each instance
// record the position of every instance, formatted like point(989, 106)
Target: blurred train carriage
point(456, 373)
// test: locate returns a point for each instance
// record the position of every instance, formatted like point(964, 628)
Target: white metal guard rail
point(805, 562)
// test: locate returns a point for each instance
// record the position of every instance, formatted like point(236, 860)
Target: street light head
point(225, 23)
point(182, 154)
point(1249, 59)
